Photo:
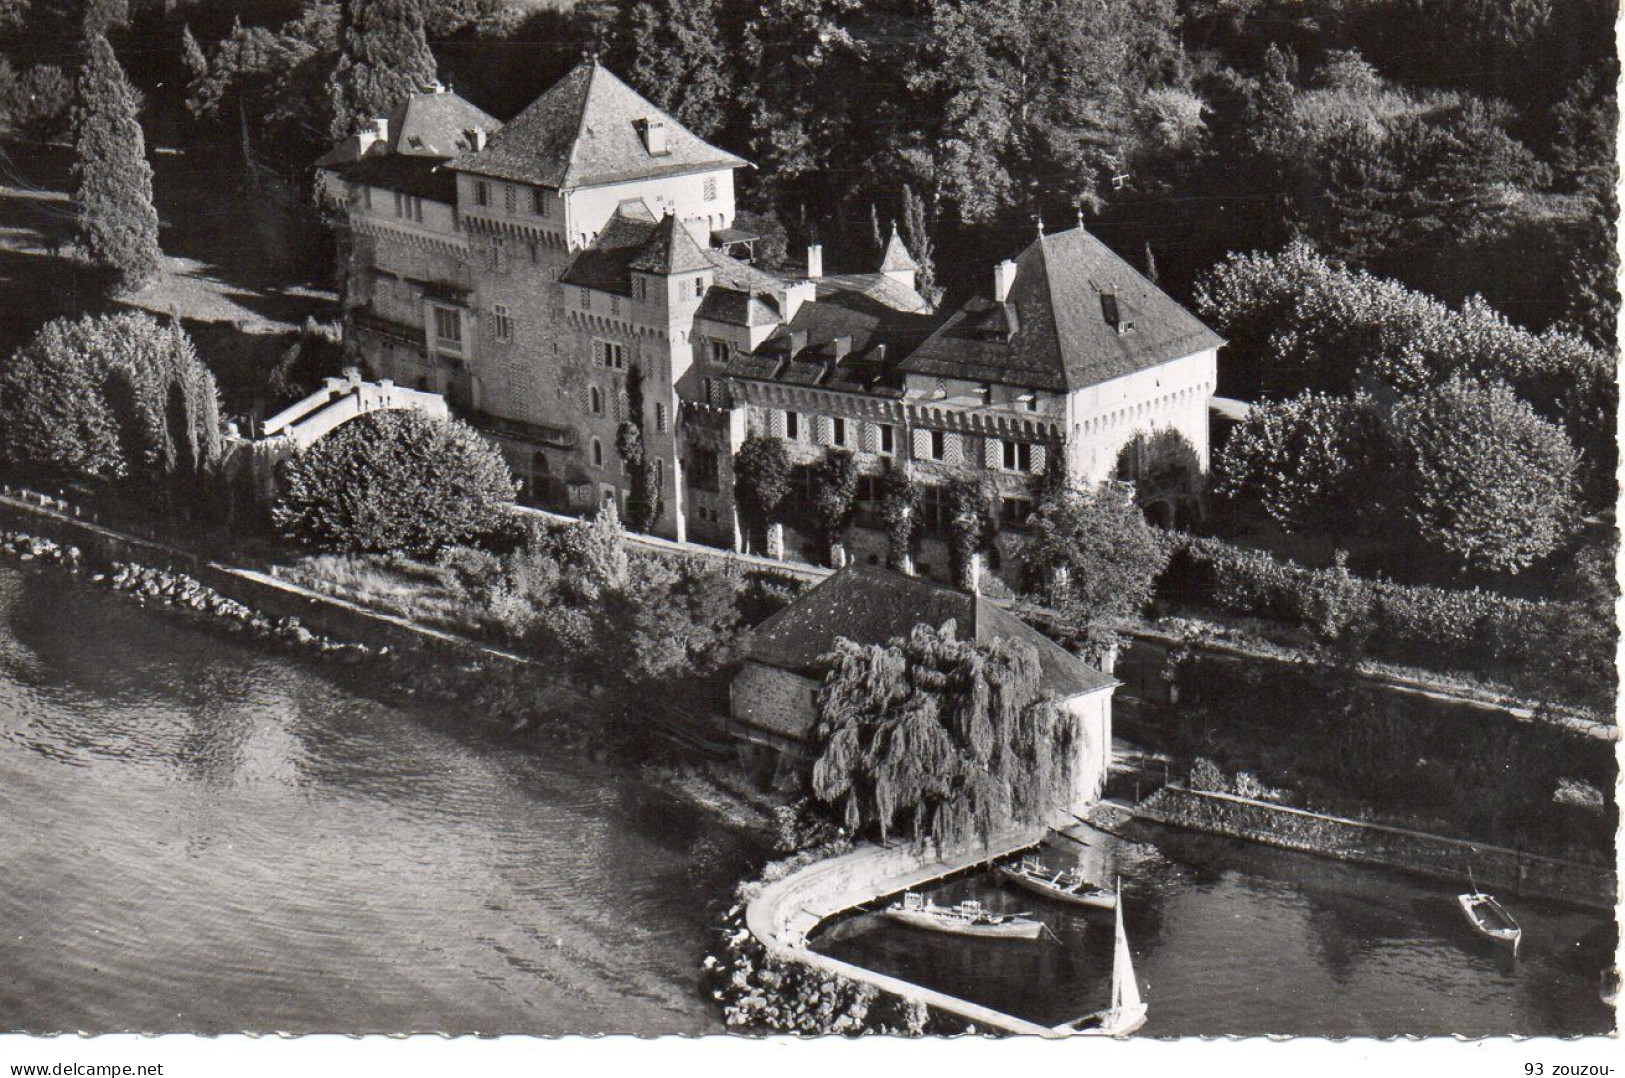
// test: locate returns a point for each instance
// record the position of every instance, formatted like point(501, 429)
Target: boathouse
point(773, 707)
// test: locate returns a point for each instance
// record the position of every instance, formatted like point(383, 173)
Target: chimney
point(798, 342)
point(840, 347)
point(1004, 275)
point(795, 295)
point(654, 137)
point(815, 261)
point(374, 136)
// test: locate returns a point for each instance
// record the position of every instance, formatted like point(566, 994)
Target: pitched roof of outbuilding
point(1055, 330)
point(587, 130)
point(869, 605)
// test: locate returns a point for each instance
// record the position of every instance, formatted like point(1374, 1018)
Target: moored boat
point(1489, 918)
point(968, 918)
point(1063, 885)
point(1128, 1011)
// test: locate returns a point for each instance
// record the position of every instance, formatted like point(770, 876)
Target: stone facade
point(504, 278)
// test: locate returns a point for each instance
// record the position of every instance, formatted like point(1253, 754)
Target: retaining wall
point(783, 914)
point(266, 594)
point(1377, 844)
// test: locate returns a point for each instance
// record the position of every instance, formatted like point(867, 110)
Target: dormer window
point(654, 137)
point(1110, 310)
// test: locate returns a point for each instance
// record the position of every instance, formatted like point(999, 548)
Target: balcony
point(388, 327)
point(534, 433)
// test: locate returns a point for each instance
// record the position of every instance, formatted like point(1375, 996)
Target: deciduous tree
point(1486, 480)
point(1093, 559)
point(946, 739)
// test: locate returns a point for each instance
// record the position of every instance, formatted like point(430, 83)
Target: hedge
point(1538, 645)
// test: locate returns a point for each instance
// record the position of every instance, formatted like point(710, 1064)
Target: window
point(448, 326)
point(711, 189)
point(366, 197)
point(540, 202)
point(886, 445)
point(1014, 512)
point(838, 431)
point(720, 351)
point(1018, 457)
point(597, 451)
point(703, 469)
point(417, 210)
point(987, 393)
point(482, 193)
point(609, 354)
point(1029, 401)
point(792, 425)
point(939, 445)
point(660, 472)
point(595, 405)
point(699, 287)
point(400, 204)
point(501, 323)
point(660, 417)
point(535, 255)
point(934, 511)
point(586, 300)
point(614, 304)
point(510, 198)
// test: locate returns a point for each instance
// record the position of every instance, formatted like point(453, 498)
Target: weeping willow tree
point(939, 738)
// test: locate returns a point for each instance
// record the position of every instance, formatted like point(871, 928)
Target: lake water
point(200, 833)
point(1234, 938)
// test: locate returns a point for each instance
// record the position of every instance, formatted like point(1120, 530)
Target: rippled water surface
point(199, 834)
point(1234, 938)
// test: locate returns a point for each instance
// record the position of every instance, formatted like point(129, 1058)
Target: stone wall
point(773, 699)
point(1375, 844)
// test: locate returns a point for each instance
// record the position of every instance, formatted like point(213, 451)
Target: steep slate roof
point(871, 332)
point(431, 123)
point(896, 256)
point(420, 176)
point(1057, 337)
point(586, 131)
point(877, 286)
point(436, 124)
point(671, 249)
point(869, 605)
point(607, 264)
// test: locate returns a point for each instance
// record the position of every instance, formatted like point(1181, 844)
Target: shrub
point(107, 397)
point(394, 481)
point(1471, 630)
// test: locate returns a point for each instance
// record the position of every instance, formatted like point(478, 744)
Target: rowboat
point(1128, 1011)
point(1063, 885)
point(1489, 918)
point(968, 918)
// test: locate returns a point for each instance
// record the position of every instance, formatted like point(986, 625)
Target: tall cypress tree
point(118, 225)
point(383, 56)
